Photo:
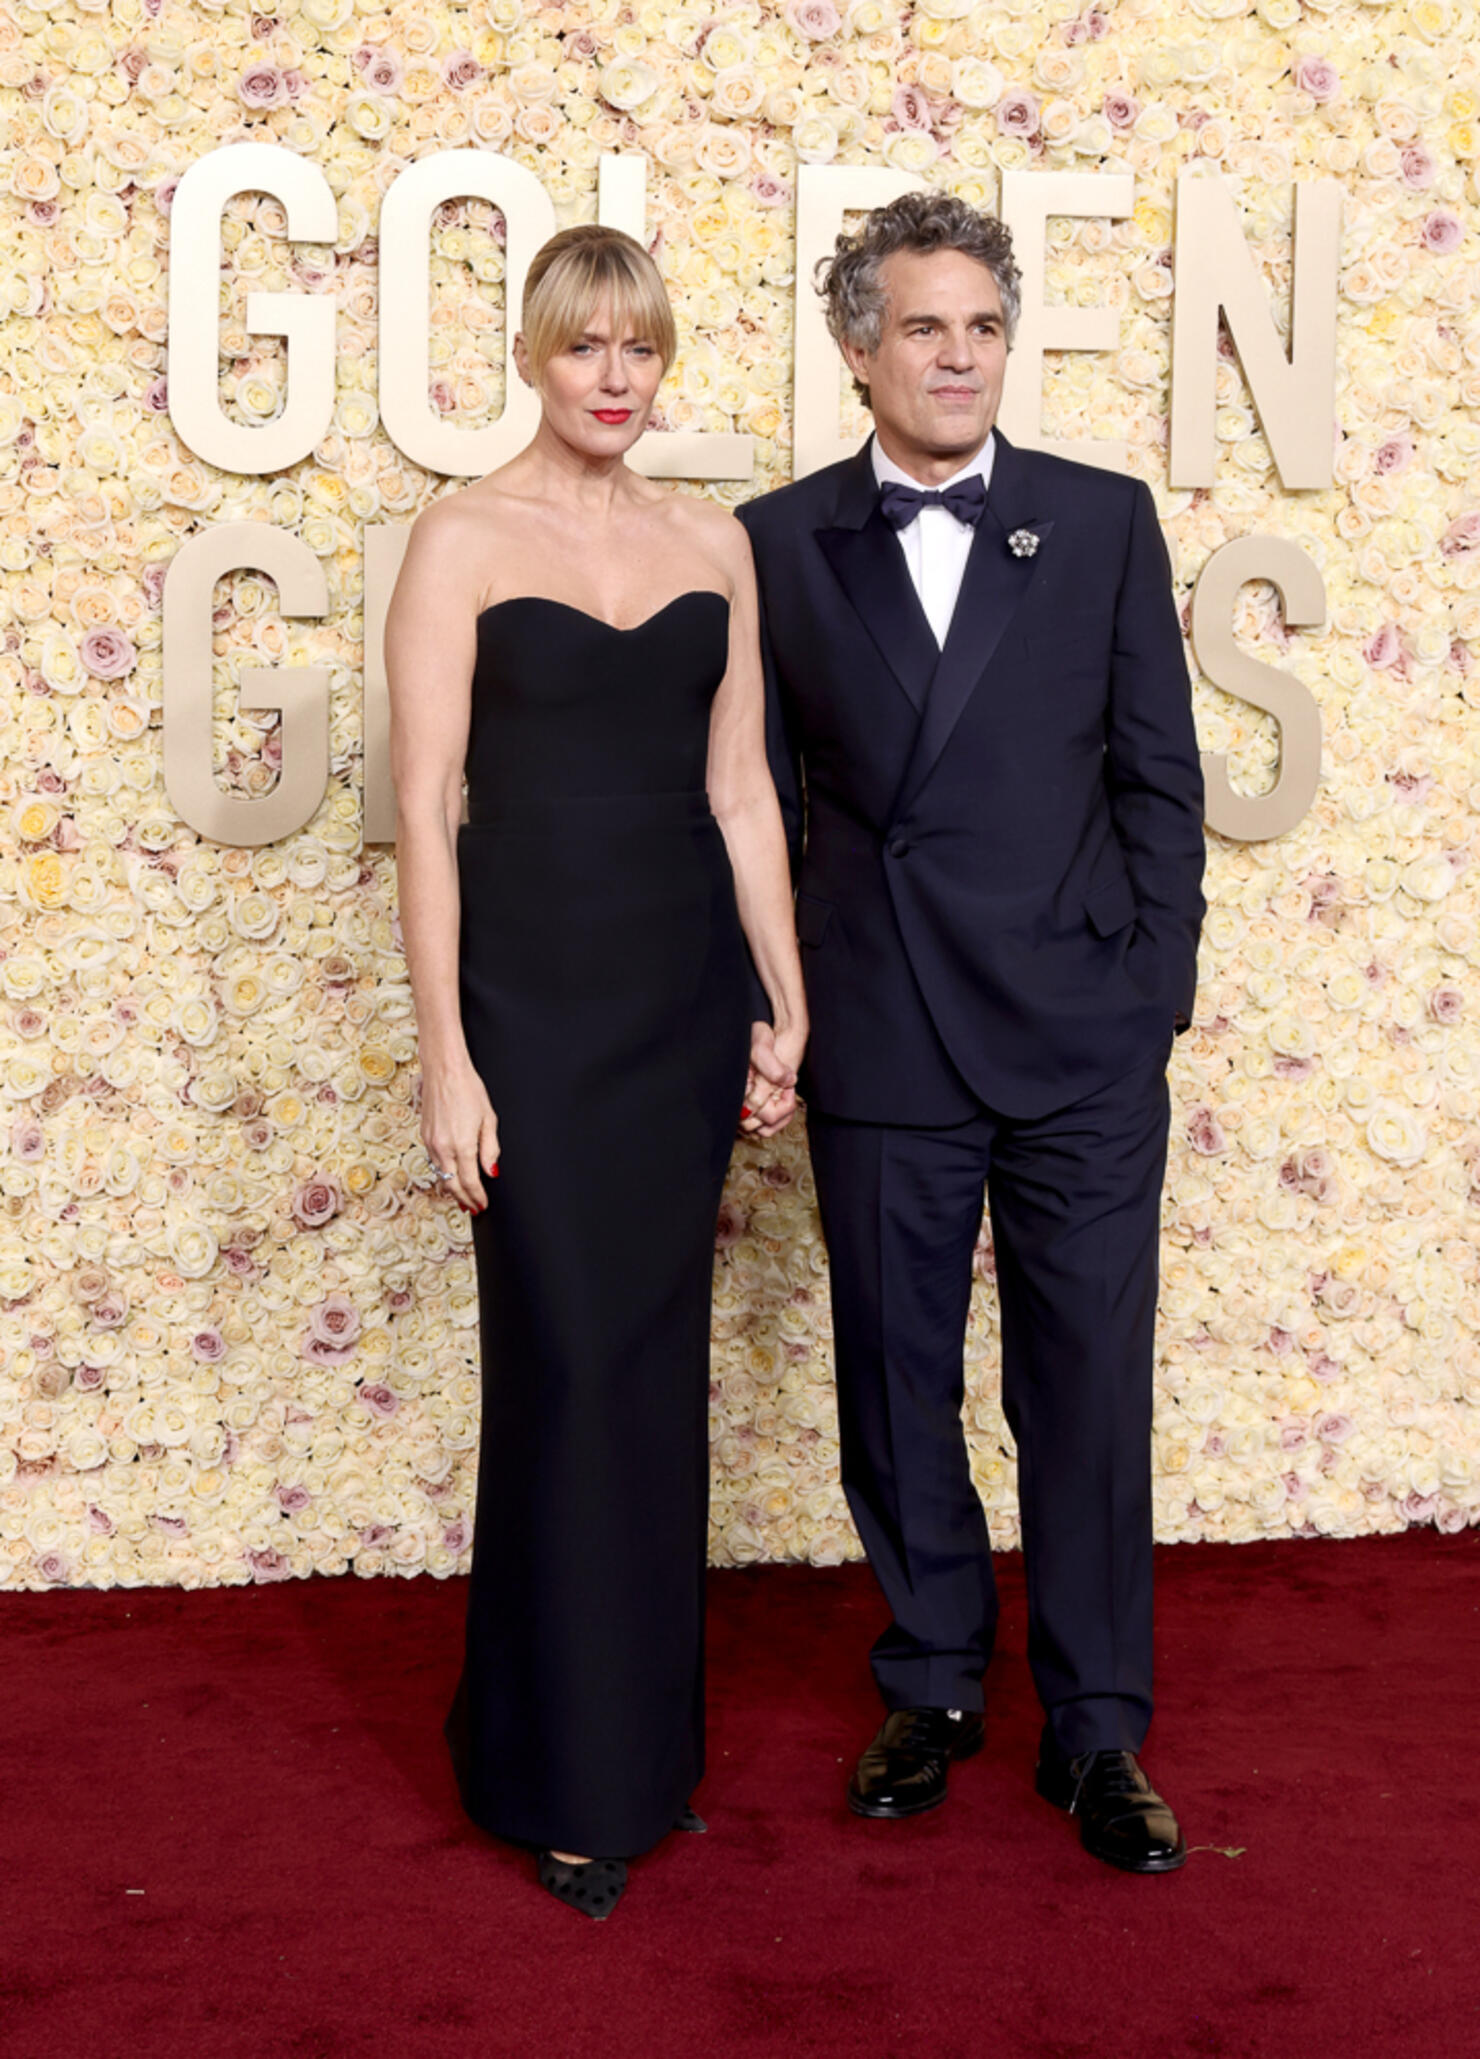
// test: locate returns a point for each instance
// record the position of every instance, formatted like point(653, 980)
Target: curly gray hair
point(849, 280)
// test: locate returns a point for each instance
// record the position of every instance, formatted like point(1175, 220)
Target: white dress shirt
point(935, 545)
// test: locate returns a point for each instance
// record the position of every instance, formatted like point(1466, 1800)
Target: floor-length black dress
point(605, 1003)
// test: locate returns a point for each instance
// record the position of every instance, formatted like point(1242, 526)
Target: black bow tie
point(899, 504)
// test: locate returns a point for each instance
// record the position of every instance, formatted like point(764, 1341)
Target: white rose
point(1396, 1134)
point(627, 83)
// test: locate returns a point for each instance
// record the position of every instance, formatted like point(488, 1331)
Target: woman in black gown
point(585, 647)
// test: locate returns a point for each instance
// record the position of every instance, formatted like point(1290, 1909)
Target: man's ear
point(856, 360)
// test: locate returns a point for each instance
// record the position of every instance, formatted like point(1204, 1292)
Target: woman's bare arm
point(430, 650)
point(743, 797)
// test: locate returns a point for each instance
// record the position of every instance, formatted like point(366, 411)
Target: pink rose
point(380, 1400)
point(1121, 110)
point(729, 1228)
point(1334, 1429)
point(769, 190)
point(1318, 77)
point(108, 653)
point(208, 1345)
point(1205, 1133)
point(152, 581)
point(458, 1536)
point(384, 72)
point(43, 213)
point(1396, 455)
point(1419, 166)
point(910, 108)
point(461, 69)
point(1018, 114)
point(1463, 534)
point(336, 1320)
point(1442, 232)
point(157, 398)
point(52, 1565)
point(100, 1522)
point(111, 1311)
point(814, 19)
point(268, 1565)
point(293, 1500)
point(1287, 1068)
point(315, 1203)
point(1383, 650)
point(27, 1140)
point(1446, 1005)
point(261, 87)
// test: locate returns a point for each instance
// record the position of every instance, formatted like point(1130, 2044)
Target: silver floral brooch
point(1023, 543)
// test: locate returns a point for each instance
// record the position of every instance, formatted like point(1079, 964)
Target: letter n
point(1295, 391)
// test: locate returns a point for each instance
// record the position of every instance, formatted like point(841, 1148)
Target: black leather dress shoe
point(903, 1772)
point(1122, 1819)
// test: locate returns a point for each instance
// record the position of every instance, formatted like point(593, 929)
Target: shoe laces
point(1115, 1773)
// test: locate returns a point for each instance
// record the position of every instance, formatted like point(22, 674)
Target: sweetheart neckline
point(616, 628)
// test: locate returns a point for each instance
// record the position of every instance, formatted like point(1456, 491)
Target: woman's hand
point(771, 1082)
point(460, 1131)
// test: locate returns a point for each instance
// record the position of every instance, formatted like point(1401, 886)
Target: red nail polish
point(494, 1174)
point(744, 1113)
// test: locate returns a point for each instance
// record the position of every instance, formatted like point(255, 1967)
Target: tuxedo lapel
point(869, 565)
point(994, 586)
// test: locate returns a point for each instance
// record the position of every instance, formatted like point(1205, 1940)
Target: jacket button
point(900, 848)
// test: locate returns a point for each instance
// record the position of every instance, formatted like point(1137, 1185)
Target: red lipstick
point(614, 416)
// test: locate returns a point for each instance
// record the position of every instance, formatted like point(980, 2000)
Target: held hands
point(771, 1082)
point(460, 1131)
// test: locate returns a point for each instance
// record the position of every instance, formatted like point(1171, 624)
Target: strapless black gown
point(605, 1002)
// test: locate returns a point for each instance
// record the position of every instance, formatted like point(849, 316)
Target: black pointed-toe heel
point(594, 1887)
point(689, 1821)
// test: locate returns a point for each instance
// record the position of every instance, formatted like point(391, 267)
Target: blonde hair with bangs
point(571, 276)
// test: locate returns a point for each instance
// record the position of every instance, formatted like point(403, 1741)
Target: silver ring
point(438, 1174)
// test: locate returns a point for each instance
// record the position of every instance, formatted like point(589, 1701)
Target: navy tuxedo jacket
point(998, 845)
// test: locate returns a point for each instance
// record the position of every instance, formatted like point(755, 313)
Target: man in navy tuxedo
point(982, 736)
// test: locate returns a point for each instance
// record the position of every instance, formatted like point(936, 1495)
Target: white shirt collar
point(885, 468)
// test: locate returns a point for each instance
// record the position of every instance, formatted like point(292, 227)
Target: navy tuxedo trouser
point(1075, 1202)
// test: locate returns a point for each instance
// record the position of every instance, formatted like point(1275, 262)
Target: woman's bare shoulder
point(713, 529)
point(464, 511)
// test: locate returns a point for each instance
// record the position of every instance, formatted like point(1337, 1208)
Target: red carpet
point(266, 1766)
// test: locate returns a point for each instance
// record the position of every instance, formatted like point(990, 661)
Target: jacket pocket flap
point(1111, 906)
point(813, 917)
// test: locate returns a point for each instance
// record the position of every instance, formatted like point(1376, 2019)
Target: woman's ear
point(521, 359)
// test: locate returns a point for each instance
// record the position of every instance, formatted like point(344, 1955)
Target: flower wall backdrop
point(237, 1330)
